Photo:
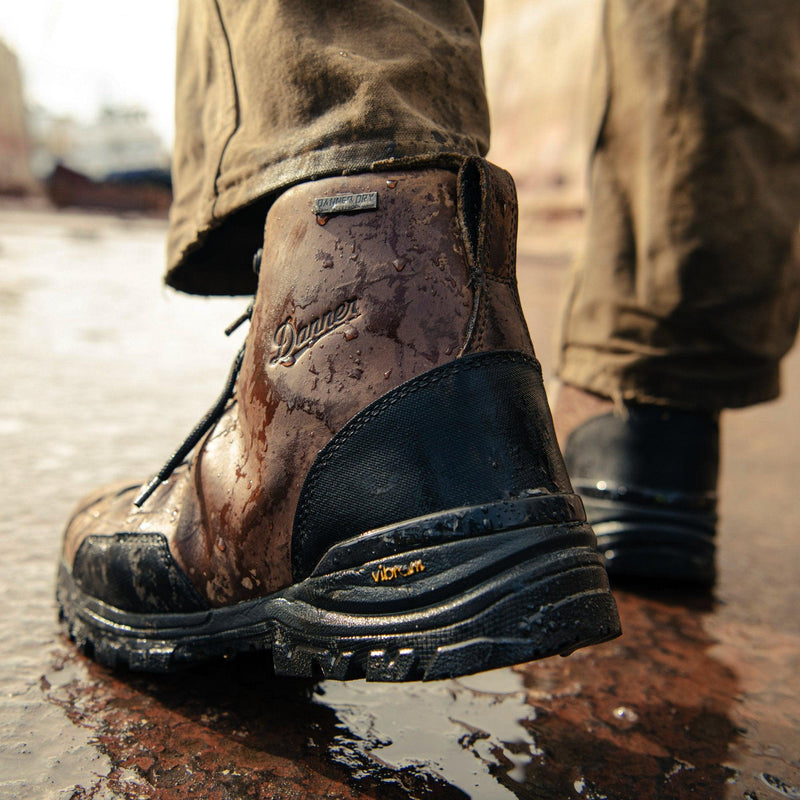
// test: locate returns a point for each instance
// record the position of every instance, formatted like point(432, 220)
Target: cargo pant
point(687, 290)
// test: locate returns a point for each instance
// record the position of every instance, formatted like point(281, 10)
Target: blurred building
point(16, 177)
point(117, 162)
point(119, 140)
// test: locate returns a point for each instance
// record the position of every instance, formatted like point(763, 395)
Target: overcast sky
point(77, 55)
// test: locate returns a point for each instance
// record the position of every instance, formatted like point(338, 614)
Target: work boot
point(648, 478)
point(378, 491)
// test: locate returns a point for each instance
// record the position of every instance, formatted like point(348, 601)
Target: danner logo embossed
point(289, 340)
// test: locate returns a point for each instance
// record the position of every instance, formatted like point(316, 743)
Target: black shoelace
point(205, 424)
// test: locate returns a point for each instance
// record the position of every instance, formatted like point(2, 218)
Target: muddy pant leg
point(688, 289)
point(277, 92)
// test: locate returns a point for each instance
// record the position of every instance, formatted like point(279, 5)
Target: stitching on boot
point(475, 361)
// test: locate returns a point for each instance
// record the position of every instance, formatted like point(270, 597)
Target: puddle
point(462, 732)
point(658, 713)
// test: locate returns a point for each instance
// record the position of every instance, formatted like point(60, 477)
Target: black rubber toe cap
point(134, 572)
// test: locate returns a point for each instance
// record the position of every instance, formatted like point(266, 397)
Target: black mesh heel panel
point(475, 430)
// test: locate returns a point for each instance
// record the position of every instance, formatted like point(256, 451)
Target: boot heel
point(456, 599)
point(641, 541)
point(517, 616)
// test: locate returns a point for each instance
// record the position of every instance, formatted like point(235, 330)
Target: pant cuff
point(211, 253)
point(668, 380)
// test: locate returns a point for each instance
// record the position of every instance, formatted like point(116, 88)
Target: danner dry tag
point(342, 203)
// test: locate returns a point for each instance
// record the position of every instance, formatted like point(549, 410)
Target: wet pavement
point(103, 372)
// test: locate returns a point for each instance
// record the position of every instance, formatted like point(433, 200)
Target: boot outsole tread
point(528, 621)
point(641, 542)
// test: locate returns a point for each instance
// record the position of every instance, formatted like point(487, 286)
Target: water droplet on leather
point(399, 265)
point(387, 374)
point(327, 263)
point(350, 334)
point(321, 220)
point(391, 183)
point(625, 714)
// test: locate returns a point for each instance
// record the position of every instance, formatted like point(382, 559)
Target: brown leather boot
point(380, 491)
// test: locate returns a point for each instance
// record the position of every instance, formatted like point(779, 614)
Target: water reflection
point(463, 732)
point(650, 715)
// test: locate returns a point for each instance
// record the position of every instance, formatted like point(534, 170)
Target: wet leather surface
point(394, 267)
point(349, 306)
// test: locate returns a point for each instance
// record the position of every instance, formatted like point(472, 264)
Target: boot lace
point(205, 424)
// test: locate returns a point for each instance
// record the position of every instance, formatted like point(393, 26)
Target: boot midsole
point(450, 582)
